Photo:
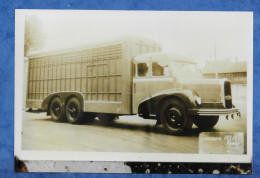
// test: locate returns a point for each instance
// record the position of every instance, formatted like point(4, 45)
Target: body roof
point(161, 56)
point(97, 44)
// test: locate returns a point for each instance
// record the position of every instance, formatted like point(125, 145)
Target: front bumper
point(217, 112)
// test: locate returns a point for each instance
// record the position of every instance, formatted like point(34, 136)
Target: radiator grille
point(227, 93)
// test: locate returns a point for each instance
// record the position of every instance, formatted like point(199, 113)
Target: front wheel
point(206, 122)
point(173, 116)
point(74, 111)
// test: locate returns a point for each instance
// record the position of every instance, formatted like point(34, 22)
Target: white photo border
point(115, 156)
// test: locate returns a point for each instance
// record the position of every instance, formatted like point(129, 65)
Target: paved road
point(128, 134)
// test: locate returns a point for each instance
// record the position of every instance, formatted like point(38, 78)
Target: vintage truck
point(127, 76)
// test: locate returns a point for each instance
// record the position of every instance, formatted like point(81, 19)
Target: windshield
point(185, 68)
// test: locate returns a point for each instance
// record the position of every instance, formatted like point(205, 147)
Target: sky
point(200, 36)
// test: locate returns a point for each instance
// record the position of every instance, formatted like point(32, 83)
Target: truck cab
point(171, 89)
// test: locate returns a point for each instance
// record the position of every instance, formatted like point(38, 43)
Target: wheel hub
point(73, 111)
point(56, 108)
point(174, 118)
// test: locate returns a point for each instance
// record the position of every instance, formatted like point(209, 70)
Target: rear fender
point(64, 96)
point(151, 105)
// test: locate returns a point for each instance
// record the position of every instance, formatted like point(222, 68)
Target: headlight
point(197, 99)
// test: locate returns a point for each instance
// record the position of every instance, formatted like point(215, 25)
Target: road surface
point(128, 134)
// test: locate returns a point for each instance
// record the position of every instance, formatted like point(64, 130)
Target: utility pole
point(215, 51)
point(215, 55)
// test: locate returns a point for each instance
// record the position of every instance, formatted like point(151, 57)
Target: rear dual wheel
point(57, 110)
point(74, 112)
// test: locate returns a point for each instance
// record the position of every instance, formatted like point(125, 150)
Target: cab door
point(141, 84)
point(151, 77)
point(161, 78)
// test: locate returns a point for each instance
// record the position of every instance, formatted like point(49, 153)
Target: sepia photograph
point(167, 86)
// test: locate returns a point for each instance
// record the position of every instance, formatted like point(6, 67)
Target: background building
point(236, 71)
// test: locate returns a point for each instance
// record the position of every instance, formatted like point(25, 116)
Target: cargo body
point(101, 73)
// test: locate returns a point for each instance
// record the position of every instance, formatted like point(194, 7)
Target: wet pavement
point(127, 134)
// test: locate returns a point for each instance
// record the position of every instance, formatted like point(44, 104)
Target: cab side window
point(142, 69)
point(158, 70)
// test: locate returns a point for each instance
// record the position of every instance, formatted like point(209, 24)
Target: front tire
point(74, 111)
point(57, 110)
point(206, 122)
point(174, 118)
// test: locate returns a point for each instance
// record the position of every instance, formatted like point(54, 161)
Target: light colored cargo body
point(101, 73)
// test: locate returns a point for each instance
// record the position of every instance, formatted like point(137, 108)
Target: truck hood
point(209, 90)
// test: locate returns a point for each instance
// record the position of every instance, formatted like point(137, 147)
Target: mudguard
point(151, 105)
point(65, 96)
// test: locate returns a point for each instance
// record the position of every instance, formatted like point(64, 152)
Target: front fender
point(151, 105)
point(64, 96)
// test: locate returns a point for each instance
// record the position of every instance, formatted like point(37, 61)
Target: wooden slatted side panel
point(103, 79)
point(94, 72)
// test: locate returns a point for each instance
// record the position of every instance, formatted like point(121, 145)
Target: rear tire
point(174, 118)
point(206, 122)
point(74, 111)
point(57, 110)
